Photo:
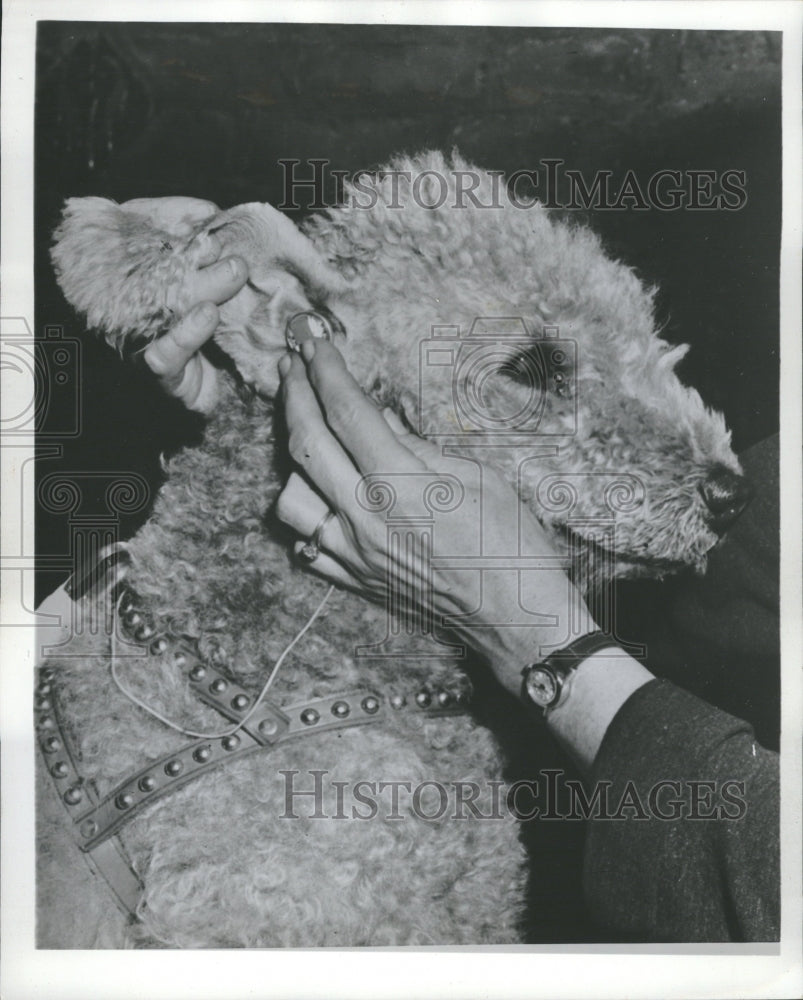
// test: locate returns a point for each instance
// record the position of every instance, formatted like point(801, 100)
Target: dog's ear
point(274, 248)
point(114, 263)
point(287, 275)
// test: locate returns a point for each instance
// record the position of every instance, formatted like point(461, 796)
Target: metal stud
point(46, 674)
point(232, 742)
point(89, 828)
point(47, 722)
point(52, 744)
point(268, 727)
point(44, 704)
point(133, 618)
point(423, 699)
point(158, 647)
point(60, 769)
point(144, 633)
point(240, 702)
point(202, 754)
point(370, 705)
point(219, 685)
point(73, 796)
point(341, 709)
point(444, 698)
point(173, 768)
point(147, 783)
point(124, 800)
point(179, 659)
point(44, 689)
point(309, 716)
point(198, 672)
point(397, 701)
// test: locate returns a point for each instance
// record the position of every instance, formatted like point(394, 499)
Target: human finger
point(197, 386)
point(431, 455)
point(168, 355)
point(330, 569)
point(311, 443)
point(302, 509)
point(216, 283)
point(395, 424)
point(353, 418)
point(206, 248)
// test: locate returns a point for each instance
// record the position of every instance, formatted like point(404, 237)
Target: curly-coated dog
point(503, 332)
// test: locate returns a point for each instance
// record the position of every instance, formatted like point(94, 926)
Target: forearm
point(594, 692)
point(598, 689)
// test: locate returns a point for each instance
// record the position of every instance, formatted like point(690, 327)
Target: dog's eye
point(522, 367)
point(543, 364)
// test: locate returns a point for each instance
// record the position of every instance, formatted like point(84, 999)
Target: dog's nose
point(726, 495)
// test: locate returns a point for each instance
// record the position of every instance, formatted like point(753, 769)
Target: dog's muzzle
point(726, 495)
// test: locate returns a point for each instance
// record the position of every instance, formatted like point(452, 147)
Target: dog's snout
point(726, 495)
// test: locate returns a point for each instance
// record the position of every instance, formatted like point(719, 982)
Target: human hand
point(337, 437)
point(176, 357)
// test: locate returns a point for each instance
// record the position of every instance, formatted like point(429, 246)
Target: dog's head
point(511, 336)
point(599, 436)
point(602, 439)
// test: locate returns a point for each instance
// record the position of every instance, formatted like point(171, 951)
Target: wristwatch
point(545, 683)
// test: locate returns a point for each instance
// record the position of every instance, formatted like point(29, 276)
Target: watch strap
point(561, 664)
point(571, 656)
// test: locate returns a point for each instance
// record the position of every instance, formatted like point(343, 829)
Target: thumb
point(425, 450)
point(395, 424)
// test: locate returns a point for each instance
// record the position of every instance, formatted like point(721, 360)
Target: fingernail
point(235, 267)
point(153, 360)
point(308, 349)
point(284, 364)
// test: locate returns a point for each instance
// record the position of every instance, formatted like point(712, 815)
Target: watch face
point(542, 686)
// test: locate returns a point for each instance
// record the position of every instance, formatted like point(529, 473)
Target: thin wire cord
point(226, 732)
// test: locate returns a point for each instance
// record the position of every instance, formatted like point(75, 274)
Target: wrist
point(514, 649)
point(600, 685)
point(546, 683)
point(510, 648)
point(508, 651)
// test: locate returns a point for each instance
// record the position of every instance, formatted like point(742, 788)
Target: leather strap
point(108, 858)
point(95, 821)
point(569, 657)
point(105, 817)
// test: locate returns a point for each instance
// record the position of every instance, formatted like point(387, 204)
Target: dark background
point(134, 110)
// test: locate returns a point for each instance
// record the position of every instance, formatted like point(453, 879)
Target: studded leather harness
point(95, 820)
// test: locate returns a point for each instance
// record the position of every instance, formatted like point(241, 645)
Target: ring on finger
point(311, 549)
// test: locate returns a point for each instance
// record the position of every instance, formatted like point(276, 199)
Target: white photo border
point(525, 971)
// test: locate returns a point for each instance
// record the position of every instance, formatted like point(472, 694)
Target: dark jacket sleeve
point(690, 848)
